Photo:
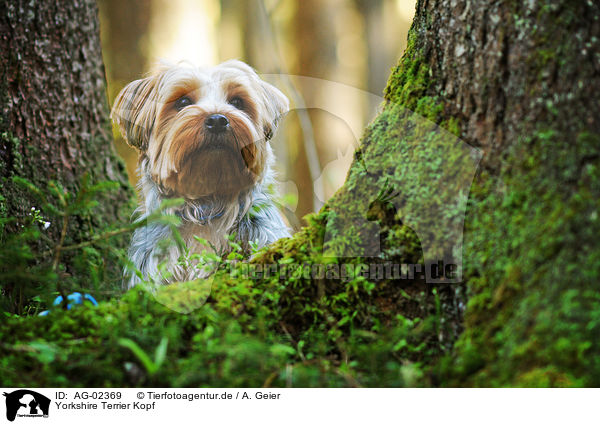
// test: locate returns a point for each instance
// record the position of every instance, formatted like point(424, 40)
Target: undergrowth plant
point(58, 247)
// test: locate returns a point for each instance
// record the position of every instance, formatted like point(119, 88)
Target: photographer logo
point(26, 403)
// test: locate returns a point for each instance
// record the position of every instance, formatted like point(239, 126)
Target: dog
point(202, 135)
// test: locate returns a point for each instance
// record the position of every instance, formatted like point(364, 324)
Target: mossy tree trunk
point(517, 80)
point(520, 80)
point(54, 122)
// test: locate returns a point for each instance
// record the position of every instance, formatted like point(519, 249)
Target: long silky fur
point(252, 216)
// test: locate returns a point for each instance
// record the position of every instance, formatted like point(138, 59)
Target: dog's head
point(203, 130)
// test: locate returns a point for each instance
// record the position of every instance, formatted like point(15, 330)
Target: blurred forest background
point(353, 43)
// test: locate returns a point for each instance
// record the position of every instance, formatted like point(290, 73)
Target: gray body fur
point(252, 215)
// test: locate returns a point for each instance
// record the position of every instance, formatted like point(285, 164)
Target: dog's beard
point(201, 164)
point(212, 170)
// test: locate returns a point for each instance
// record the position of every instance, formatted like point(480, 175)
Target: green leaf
point(139, 353)
point(161, 352)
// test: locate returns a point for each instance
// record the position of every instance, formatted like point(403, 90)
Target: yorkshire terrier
point(202, 135)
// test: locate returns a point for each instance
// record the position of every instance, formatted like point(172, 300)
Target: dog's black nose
point(216, 123)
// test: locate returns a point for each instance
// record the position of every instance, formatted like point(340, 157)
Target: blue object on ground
point(73, 299)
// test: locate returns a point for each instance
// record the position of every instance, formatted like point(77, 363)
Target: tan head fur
point(204, 131)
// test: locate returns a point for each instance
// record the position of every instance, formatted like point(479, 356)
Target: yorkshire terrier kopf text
point(202, 135)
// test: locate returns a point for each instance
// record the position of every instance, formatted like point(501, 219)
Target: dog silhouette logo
point(26, 403)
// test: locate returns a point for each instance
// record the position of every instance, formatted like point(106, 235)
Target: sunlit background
point(332, 58)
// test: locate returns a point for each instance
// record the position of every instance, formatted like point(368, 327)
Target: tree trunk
point(519, 80)
point(54, 122)
point(516, 80)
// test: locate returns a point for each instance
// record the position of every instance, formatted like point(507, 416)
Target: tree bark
point(519, 80)
point(54, 121)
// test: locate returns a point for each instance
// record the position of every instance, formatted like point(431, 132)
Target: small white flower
point(46, 225)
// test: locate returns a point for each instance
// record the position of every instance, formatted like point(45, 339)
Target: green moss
point(410, 79)
point(218, 344)
point(532, 317)
point(14, 145)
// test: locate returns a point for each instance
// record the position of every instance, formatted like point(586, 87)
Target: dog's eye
point(182, 102)
point(237, 102)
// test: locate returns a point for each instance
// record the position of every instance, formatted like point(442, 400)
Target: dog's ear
point(276, 105)
point(134, 111)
